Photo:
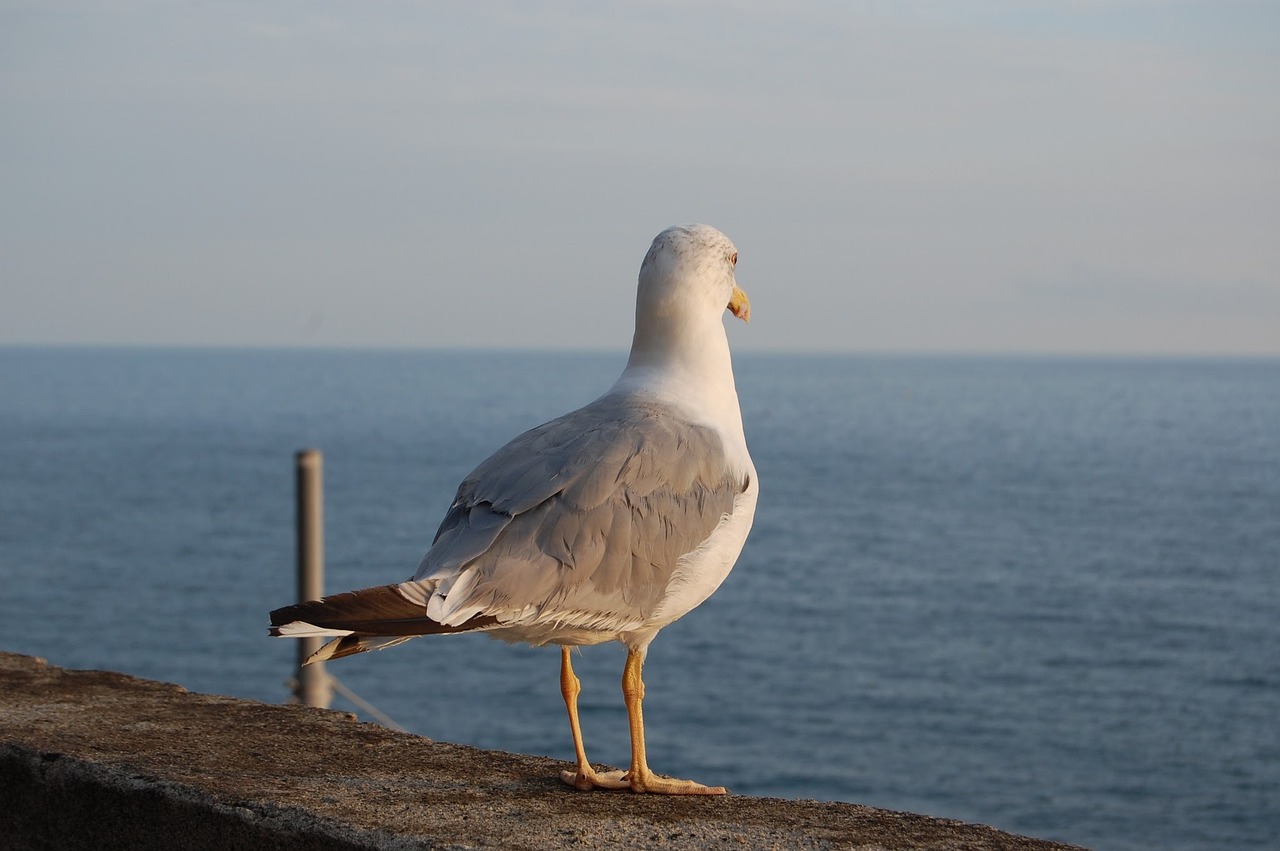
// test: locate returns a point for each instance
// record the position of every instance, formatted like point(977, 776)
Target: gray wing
point(584, 515)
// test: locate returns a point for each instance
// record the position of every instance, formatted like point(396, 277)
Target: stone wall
point(94, 759)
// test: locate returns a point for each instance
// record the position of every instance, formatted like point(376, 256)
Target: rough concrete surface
point(94, 759)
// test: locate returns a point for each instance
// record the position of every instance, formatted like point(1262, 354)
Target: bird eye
point(733, 259)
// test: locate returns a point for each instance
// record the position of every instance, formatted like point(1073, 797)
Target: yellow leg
point(585, 777)
point(640, 777)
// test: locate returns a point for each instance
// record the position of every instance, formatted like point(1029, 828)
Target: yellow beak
point(739, 304)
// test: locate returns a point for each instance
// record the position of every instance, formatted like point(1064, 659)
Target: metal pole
point(312, 687)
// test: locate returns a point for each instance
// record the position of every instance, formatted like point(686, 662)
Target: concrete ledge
point(93, 759)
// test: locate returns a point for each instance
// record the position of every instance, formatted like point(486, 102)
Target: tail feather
point(352, 644)
point(369, 619)
point(302, 629)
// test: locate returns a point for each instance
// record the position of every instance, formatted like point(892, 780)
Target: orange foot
point(644, 781)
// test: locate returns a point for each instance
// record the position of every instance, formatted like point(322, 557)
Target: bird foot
point(654, 784)
point(587, 779)
point(647, 781)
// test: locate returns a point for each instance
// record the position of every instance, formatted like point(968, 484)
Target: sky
point(995, 176)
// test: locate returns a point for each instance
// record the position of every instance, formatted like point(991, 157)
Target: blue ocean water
point(1040, 594)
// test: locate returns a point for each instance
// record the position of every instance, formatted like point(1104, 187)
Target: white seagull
point(606, 524)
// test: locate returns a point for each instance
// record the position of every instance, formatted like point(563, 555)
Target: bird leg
point(640, 777)
point(586, 777)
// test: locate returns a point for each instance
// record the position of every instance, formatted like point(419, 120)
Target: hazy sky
point(993, 175)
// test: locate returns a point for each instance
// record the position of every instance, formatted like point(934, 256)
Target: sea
point(1037, 593)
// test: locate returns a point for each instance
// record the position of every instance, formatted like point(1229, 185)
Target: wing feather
point(587, 514)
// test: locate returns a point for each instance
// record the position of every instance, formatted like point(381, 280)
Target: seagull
point(605, 524)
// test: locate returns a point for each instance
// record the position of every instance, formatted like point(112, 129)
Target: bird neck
point(687, 364)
